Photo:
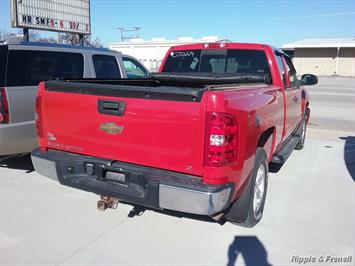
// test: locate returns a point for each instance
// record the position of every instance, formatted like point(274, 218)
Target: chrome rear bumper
point(145, 186)
point(193, 201)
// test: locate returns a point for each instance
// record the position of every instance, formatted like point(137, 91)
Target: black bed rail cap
point(210, 78)
point(134, 90)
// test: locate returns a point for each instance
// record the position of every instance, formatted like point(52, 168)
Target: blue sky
point(273, 22)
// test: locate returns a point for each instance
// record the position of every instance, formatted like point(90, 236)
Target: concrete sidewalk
point(309, 212)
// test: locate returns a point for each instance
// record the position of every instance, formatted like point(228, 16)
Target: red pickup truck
point(197, 137)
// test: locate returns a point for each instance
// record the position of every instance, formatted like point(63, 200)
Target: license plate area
point(110, 174)
point(116, 177)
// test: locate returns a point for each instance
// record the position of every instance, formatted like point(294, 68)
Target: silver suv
point(23, 65)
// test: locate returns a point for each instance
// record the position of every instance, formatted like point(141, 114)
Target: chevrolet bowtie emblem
point(111, 128)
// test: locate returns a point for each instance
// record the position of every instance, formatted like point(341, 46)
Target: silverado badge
point(111, 128)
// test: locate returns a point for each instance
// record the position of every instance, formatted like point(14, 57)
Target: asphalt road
point(309, 213)
point(332, 102)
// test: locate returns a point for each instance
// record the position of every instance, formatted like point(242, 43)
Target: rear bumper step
point(150, 187)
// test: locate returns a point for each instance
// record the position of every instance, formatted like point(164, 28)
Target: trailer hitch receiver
point(107, 202)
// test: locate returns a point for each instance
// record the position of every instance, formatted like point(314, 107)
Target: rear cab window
point(252, 62)
point(3, 64)
point(106, 67)
point(29, 67)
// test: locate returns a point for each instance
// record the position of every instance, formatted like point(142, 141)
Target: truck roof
point(224, 45)
point(218, 45)
point(55, 45)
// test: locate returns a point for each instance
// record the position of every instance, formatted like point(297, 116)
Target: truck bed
point(157, 122)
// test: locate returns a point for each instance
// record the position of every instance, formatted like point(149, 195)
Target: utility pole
point(125, 30)
point(137, 31)
point(26, 35)
point(81, 39)
point(121, 31)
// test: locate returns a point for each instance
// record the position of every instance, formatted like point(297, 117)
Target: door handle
point(109, 107)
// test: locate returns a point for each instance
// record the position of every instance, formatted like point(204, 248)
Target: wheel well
point(265, 136)
point(264, 143)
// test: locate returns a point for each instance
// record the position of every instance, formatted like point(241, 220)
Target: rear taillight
point(38, 117)
point(221, 139)
point(4, 107)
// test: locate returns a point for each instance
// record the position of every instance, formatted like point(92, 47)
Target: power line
point(315, 16)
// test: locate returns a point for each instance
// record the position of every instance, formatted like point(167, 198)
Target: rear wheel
point(248, 209)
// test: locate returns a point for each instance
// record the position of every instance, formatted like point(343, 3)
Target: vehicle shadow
point(349, 154)
point(23, 162)
point(250, 248)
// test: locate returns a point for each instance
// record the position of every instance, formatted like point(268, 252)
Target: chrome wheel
point(259, 191)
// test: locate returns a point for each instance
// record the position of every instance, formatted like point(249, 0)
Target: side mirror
point(309, 79)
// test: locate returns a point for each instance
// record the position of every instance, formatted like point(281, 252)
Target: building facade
point(324, 57)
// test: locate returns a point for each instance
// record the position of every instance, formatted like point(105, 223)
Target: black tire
point(302, 132)
point(242, 210)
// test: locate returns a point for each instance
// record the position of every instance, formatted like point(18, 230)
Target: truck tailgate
point(162, 133)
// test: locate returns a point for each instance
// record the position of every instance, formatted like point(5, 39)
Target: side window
point(28, 68)
point(291, 72)
point(281, 68)
point(106, 67)
point(133, 68)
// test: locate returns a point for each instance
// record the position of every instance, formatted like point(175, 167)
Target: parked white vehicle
point(24, 64)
